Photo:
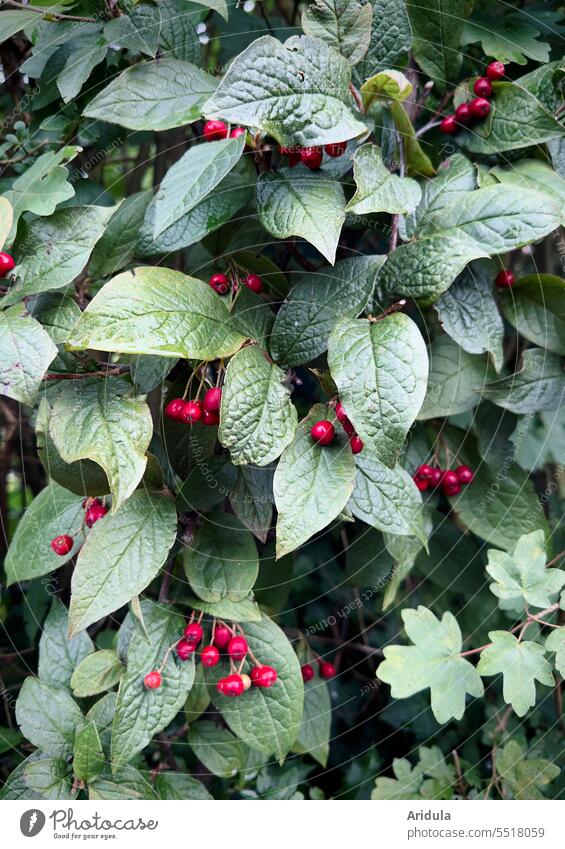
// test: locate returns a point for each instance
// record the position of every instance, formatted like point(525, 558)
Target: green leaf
point(387, 498)
point(15, 786)
point(89, 50)
point(116, 248)
point(217, 748)
point(315, 729)
point(438, 27)
point(54, 511)
point(192, 178)
point(142, 713)
point(433, 661)
point(57, 313)
point(418, 163)
point(456, 177)
point(26, 350)
point(536, 176)
point(304, 321)
point(50, 777)
point(59, 656)
point(342, 24)
point(157, 311)
point(175, 785)
point(88, 760)
point(520, 577)
point(298, 202)
point(391, 38)
point(536, 309)
point(409, 782)
point(538, 385)
point(122, 554)
point(210, 481)
point(155, 95)
point(299, 92)
point(252, 499)
point(383, 397)
point(456, 380)
point(378, 190)
point(367, 561)
point(257, 418)
point(96, 673)
point(521, 665)
point(48, 717)
point(386, 85)
point(266, 719)
point(14, 21)
point(138, 30)
point(507, 39)
point(179, 38)
point(521, 775)
point(245, 610)
point(125, 782)
point(406, 783)
point(222, 561)
point(306, 473)
point(274, 582)
point(555, 642)
point(9, 739)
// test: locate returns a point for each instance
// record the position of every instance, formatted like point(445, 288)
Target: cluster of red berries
point(221, 285)
point(94, 509)
point(505, 279)
point(188, 412)
point(217, 130)
point(477, 109)
point(224, 640)
point(312, 157)
point(325, 668)
point(323, 432)
point(6, 263)
point(429, 477)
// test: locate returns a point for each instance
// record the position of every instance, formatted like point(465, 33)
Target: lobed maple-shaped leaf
point(521, 664)
point(520, 576)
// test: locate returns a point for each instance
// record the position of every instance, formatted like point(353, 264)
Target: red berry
point(311, 157)
point(464, 474)
point(210, 656)
point(174, 409)
point(152, 680)
point(449, 125)
point(327, 670)
point(185, 648)
point(420, 484)
point(263, 676)
point(222, 636)
point(479, 108)
point(463, 114)
point(214, 130)
point(233, 685)
point(482, 87)
point(307, 672)
point(454, 489)
point(504, 279)
point(219, 283)
point(210, 417)
point(323, 432)
point(495, 71)
point(254, 282)
point(449, 478)
point(236, 132)
point(6, 263)
point(424, 472)
point(95, 512)
point(191, 412)
point(194, 633)
point(237, 648)
point(212, 400)
point(337, 149)
point(293, 159)
point(435, 477)
point(340, 413)
point(62, 544)
point(356, 444)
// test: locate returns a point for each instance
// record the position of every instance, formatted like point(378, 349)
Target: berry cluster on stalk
point(450, 481)
point(478, 108)
point(94, 510)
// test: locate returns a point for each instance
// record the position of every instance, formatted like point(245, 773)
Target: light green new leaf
point(122, 554)
point(521, 665)
point(538, 385)
point(157, 311)
point(217, 748)
point(383, 396)
point(520, 576)
point(155, 95)
point(298, 202)
point(48, 717)
point(433, 661)
point(387, 498)
point(306, 473)
point(97, 673)
point(521, 775)
point(378, 190)
point(257, 417)
point(536, 309)
point(26, 350)
point(50, 777)
point(386, 85)
point(298, 92)
point(99, 420)
point(59, 656)
point(555, 642)
point(88, 760)
point(343, 24)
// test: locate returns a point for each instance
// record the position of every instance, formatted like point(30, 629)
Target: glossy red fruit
point(495, 71)
point(95, 512)
point(194, 633)
point(505, 279)
point(464, 474)
point(254, 282)
point(222, 636)
point(6, 263)
point(214, 130)
point(421, 484)
point(424, 472)
point(152, 680)
point(452, 490)
point(210, 656)
point(311, 157)
point(435, 477)
point(449, 125)
point(449, 478)
point(323, 432)
point(210, 417)
point(174, 409)
point(233, 685)
point(293, 159)
point(463, 114)
point(480, 108)
point(236, 132)
point(482, 87)
point(237, 648)
point(356, 444)
point(192, 412)
point(185, 648)
point(327, 670)
point(263, 676)
point(337, 149)
point(212, 399)
point(340, 413)
point(62, 544)
point(307, 672)
point(219, 283)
